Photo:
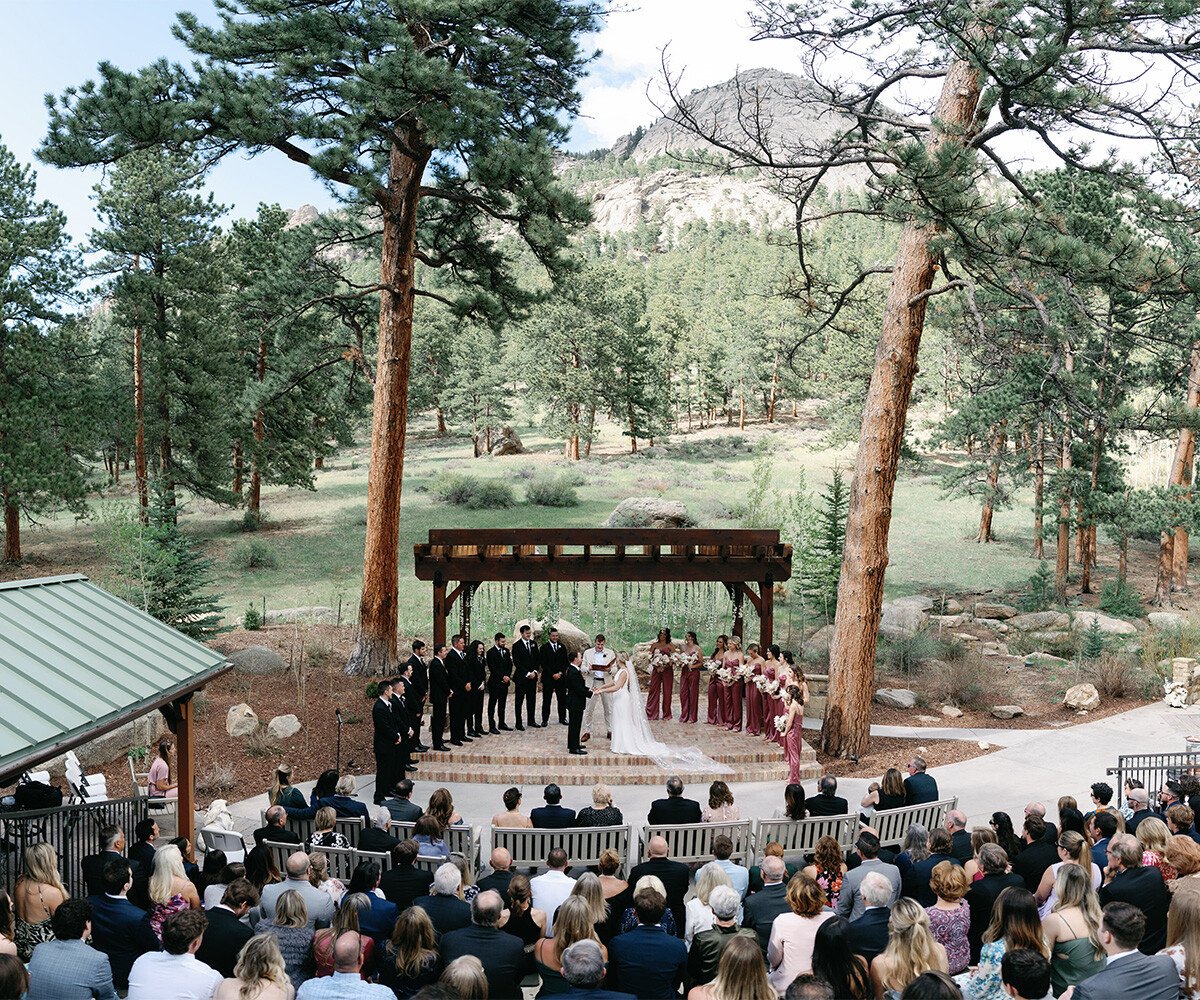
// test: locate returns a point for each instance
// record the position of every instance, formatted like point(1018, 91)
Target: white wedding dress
point(631, 733)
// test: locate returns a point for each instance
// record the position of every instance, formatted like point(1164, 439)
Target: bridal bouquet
point(746, 672)
point(725, 675)
point(780, 723)
point(660, 661)
point(713, 666)
point(761, 683)
point(685, 660)
point(773, 688)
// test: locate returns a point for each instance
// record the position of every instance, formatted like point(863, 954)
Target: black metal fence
point(72, 830)
point(1152, 769)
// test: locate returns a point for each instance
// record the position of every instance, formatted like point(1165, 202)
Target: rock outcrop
point(649, 512)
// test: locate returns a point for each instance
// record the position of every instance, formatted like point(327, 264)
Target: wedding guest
point(1036, 855)
point(404, 881)
point(691, 663)
point(469, 890)
point(885, 794)
point(441, 808)
point(921, 873)
point(981, 897)
point(827, 869)
point(523, 920)
point(790, 947)
point(119, 929)
point(1127, 973)
point(427, 834)
point(293, 935)
point(1183, 854)
point(171, 891)
point(868, 934)
point(583, 969)
point(1183, 942)
point(512, 817)
point(698, 915)
point(14, 980)
point(674, 809)
point(501, 873)
point(175, 971)
point(275, 829)
point(261, 868)
point(343, 800)
point(739, 876)
point(318, 903)
point(839, 963)
point(674, 875)
point(794, 805)
point(1154, 836)
point(39, 892)
point(762, 907)
point(979, 836)
point(720, 808)
point(112, 848)
point(741, 975)
point(319, 877)
point(379, 916)
point(350, 951)
point(1072, 850)
point(647, 959)
point(1006, 835)
point(260, 973)
point(158, 783)
point(772, 848)
point(345, 921)
point(1072, 930)
point(629, 919)
point(400, 803)
point(324, 833)
point(826, 802)
point(1014, 925)
point(704, 953)
point(850, 903)
point(919, 787)
point(662, 677)
point(1129, 881)
point(913, 851)
point(445, 907)
point(67, 967)
point(8, 944)
point(716, 698)
point(911, 950)
point(601, 812)
point(226, 932)
point(553, 886)
point(410, 959)
point(325, 787)
point(1025, 973)
point(465, 978)
point(950, 916)
point(552, 816)
point(573, 922)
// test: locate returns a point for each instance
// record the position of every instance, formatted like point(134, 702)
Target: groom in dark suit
point(577, 693)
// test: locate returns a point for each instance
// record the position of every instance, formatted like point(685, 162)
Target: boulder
point(508, 443)
point(572, 636)
point(1166, 619)
point(902, 618)
point(257, 660)
point(995, 624)
point(928, 718)
point(946, 621)
point(1050, 638)
point(1006, 711)
point(301, 616)
point(649, 512)
point(952, 606)
point(896, 697)
point(918, 601)
point(819, 641)
point(283, 727)
point(1108, 626)
point(952, 711)
point(1082, 696)
point(1040, 620)
point(993, 649)
point(241, 721)
point(986, 609)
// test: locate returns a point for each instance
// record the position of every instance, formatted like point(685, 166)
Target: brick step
point(586, 771)
point(471, 756)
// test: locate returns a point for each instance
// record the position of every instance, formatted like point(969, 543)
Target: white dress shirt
point(182, 977)
point(549, 892)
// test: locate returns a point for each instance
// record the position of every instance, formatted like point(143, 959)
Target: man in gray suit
point(761, 908)
point(319, 903)
point(68, 968)
point(850, 902)
point(1129, 974)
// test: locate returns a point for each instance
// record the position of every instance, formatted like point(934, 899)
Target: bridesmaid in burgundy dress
point(772, 705)
point(662, 678)
point(716, 697)
point(794, 701)
point(754, 697)
point(691, 660)
point(732, 661)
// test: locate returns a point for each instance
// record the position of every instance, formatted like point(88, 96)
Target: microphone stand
point(338, 713)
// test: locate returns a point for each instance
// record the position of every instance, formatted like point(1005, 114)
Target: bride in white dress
point(631, 731)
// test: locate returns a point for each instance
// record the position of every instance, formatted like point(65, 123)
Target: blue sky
point(48, 45)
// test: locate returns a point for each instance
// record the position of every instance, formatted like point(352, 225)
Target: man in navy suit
point(583, 969)
point(919, 787)
point(869, 933)
point(446, 911)
point(1140, 885)
point(1105, 824)
point(674, 809)
point(120, 929)
point(648, 959)
point(552, 816)
point(1128, 973)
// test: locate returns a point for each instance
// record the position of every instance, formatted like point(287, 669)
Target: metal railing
point(72, 830)
point(1152, 769)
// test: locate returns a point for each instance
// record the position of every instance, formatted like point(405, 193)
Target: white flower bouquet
point(746, 672)
point(772, 689)
point(685, 660)
point(780, 723)
point(725, 675)
point(761, 683)
point(660, 661)
point(713, 666)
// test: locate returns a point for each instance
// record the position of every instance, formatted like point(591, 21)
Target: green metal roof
point(76, 662)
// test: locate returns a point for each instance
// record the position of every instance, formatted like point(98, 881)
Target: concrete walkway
point(1034, 764)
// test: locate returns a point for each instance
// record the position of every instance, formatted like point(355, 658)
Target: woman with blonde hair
point(980, 836)
point(1073, 849)
point(741, 975)
point(171, 891)
point(629, 918)
point(911, 950)
point(467, 889)
point(573, 923)
point(410, 959)
point(793, 935)
point(950, 915)
point(827, 868)
point(38, 893)
point(441, 808)
point(1072, 929)
point(1183, 854)
point(587, 887)
point(295, 937)
point(601, 812)
point(344, 919)
point(319, 877)
point(465, 976)
point(1015, 924)
point(324, 832)
point(720, 807)
point(1183, 940)
point(1153, 835)
point(697, 914)
point(260, 973)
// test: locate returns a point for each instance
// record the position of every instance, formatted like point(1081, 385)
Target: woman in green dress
point(1072, 929)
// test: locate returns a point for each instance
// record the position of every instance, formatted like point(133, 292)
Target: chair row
point(464, 840)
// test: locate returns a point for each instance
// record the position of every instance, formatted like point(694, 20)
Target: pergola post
point(185, 756)
point(439, 611)
point(766, 614)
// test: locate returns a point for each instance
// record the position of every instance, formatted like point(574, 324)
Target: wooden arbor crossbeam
point(735, 558)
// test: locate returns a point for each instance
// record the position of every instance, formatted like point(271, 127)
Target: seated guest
point(1036, 854)
point(319, 877)
point(227, 931)
point(159, 782)
point(1128, 973)
point(1038, 809)
point(835, 961)
point(524, 922)
point(512, 818)
point(112, 848)
point(141, 854)
point(1102, 793)
point(1072, 850)
point(1139, 804)
point(215, 863)
point(1004, 835)
point(325, 832)
point(190, 868)
point(919, 787)
point(698, 914)
point(1183, 941)
point(674, 809)
point(648, 960)
point(427, 835)
point(465, 979)
point(850, 903)
point(552, 816)
point(346, 982)
point(721, 807)
point(343, 800)
point(949, 916)
point(674, 876)
point(762, 907)
point(883, 795)
point(1025, 974)
point(960, 839)
point(981, 897)
point(293, 935)
point(400, 803)
point(283, 793)
point(1180, 820)
point(868, 935)
point(794, 805)
point(1129, 881)
point(587, 888)
point(583, 969)
point(617, 892)
point(552, 886)
point(1014, 925)
point(920, 873)
point(441, 808)
point(14, 980)
point(790, 946)
point(171, 891)
point(914, 850)
point(501, 874)
point(828, 869)
point(326, 785)
point(175, 971)
point(502, 955)
point(443, 905)
point(772, 848)
point(260, 972)
point(410, 960)
point(345, 920)
point(601, 812)
point(318, 903)
point(1154, 837)
point(739, 877)
point(404, 881)
point(379, 918)
point(119, 929)
point(911, 950)
point(707, 946)
point(276, 829)
point(67, 968)
point(1183, 853)
point(376, 837)
point(827, 802)
point(741, 974)
point(629, 918)
point(1072, 930)
point(261, 868)
point(1105, 825)
point(39, 891)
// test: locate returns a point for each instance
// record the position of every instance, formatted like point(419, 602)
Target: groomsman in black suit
point(401, 692)
point(500, 671)
point(386, 742)
point(439, 696)
point(575, 693)
point(460, 690)
point(553, 660)
point(525, 660)
point(418, 691)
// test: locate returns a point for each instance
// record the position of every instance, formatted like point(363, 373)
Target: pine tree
point(821, 591)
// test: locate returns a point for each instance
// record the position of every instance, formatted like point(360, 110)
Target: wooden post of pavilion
point(439, 612)
point(766, 614)
point(464, 607)
point(185, 761)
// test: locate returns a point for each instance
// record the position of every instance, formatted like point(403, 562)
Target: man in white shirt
point(175, 971)
point(346, 982)
point(596, 662)
point(550, 890)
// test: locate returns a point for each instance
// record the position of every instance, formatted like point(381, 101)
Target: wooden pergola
point(748, 563)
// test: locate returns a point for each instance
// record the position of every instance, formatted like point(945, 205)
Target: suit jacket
point(498, 881)
point(143, 853)
point(277, 834)
point(439, 680)
point(457, 671)
point(1144, 888)
point(93, 871)
point(676, 879)
point(869, 933)
point(1133, 977)
point(404, 883)
point(706, 951)
point(502, 955)
point(386, 731)
point(761, 908)
point(1131, 824)
point(524, 660)
point(379, 920)
point(500, 665)
point(1100, 853)
point(919, 788)
point(225, 937)
point(1032, 862)
point(420, 679)
point(122, 931)
point(69, 970)
point(827, 805)
point(402, 810)
point(673, 810)
point(981, 897)
point(960, 846)
point(320, 904)
point(647, 960)
point(374, 839)
point(914, 878)
point(552, 817)
point(344, 805)
point(400, 713)
point(850, 902)
point(553, 662)
point(577, 689)
point(601, 994)
point(448, 913)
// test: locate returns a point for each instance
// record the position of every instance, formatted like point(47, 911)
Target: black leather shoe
point(467, 739)
point(493, 731)
point(579, 753)
point(421, 748)
point(505, 729)
point(411, 767)
point(441, 749)
point(520, 728)
point(456, 743)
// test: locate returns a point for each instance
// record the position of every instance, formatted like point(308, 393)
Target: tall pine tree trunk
point(1179, 551)
point(140, 472)
point(847, 726)
point(632, 431)
point(1039, 489)
point(12, 530)
point(1062, 550)
point(1087, 529)
point(774, 390)
point(378, 617)
point(254, 503)
point(1183, 466)
point(993, 482)
point(238, 466)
